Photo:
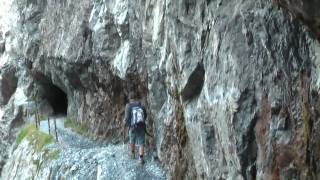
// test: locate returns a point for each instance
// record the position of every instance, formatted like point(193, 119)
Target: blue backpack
point(137, 116)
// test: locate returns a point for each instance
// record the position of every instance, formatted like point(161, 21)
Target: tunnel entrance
point(57, 99)
point(52, 94)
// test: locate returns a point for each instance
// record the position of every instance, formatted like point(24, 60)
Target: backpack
point(137, 116)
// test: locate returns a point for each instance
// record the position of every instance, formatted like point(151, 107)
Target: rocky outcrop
point(13, 104)
point(230, 86)
point(24, 163)
point(11, 119)
point(8, 84)
point(306, 11)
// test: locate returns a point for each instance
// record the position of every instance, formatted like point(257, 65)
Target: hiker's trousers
point(137, 136)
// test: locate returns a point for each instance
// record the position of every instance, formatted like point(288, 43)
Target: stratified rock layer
point(231, 87)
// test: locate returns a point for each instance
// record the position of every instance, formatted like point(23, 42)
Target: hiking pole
point(149, 134)
point(124, 135)
point(145, 130)
point(125, 132)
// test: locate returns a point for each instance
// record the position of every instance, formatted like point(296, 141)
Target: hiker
point(135, 116)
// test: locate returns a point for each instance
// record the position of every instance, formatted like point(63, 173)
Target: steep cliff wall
point(231, 87)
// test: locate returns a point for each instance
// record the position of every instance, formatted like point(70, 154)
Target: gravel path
point(82, 158)
point(66, 137)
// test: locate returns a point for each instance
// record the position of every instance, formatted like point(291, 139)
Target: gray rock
point(8, 84)
point(213, 74)
point(306, 12)
point(2, 46)
point(11, 120)
point(74, 161)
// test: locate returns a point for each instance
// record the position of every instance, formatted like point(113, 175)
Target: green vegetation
point(23, 133)
point(43, 118)
point(306, 125)
point(79, 128)
point(37, 138)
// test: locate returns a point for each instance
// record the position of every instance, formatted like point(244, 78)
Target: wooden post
point(28, 106)
point(36, 118)
point(55, 128)
point(28, 112)
point(35, 114)
point(49, 124)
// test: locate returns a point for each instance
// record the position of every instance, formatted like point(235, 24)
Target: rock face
point(231, 87)
point(25, 157)
point(307, 11)
point(11, 117)
point(8, 85)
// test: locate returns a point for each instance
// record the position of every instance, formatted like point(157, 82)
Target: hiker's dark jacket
point(127, 115)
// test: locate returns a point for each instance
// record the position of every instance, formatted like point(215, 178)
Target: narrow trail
point(82, 158)
point(66, 137)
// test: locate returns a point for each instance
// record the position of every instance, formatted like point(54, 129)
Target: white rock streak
point(122, 60)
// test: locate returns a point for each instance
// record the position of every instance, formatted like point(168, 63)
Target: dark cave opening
point(57, 99)
point(55, 96)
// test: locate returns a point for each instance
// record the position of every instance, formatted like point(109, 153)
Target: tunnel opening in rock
point(57, 99)
point(54, 95)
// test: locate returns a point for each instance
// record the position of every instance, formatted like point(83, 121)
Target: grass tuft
point(79, 128)
point(23, 133)
point(37, 138)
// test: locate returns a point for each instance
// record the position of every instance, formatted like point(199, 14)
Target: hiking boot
point(141, 160)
